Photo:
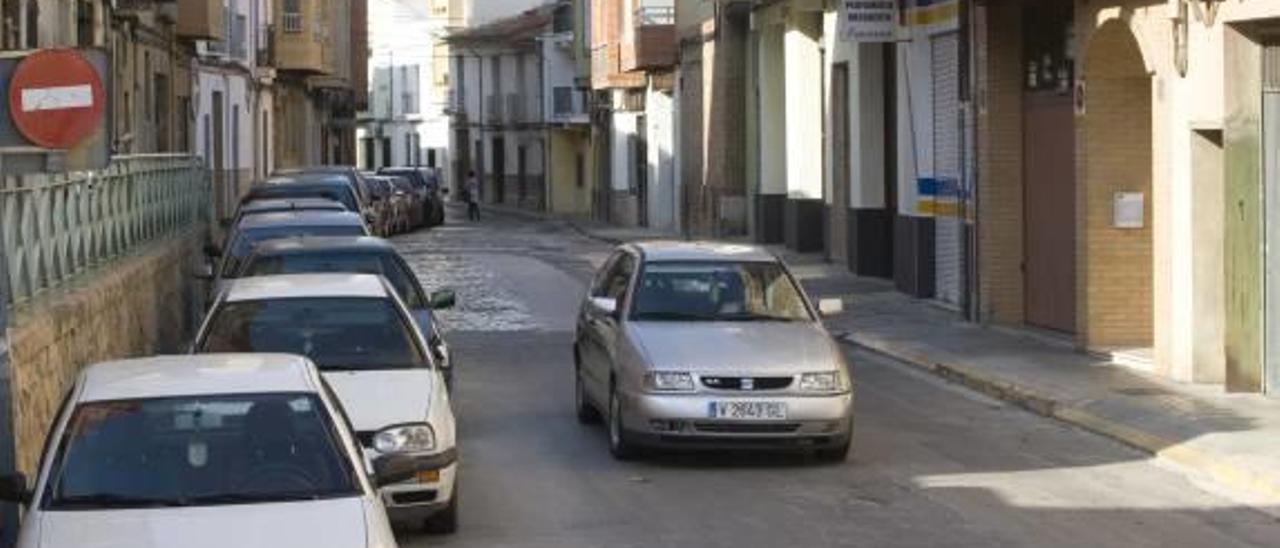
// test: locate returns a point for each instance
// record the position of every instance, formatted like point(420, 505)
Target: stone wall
point(143, 304)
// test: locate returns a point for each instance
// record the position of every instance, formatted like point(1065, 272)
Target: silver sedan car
point(702, 345)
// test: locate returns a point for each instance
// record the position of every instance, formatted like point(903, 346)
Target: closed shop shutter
point(949, 258)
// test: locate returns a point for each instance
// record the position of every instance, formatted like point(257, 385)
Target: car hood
point(375, 399)
point(736, 347)
point(338, 523)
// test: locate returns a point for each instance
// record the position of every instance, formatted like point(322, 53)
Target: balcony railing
point(655, 15)
point(495, 109)
point(291, 22)
point(266, 56)
point(515, 108)
point(57, 227)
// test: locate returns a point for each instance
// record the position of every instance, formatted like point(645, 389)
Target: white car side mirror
point(607, 306)
point(830, 307)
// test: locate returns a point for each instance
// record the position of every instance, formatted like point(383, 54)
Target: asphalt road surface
point(932, 465)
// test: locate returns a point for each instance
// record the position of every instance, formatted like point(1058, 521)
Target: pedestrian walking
point(472, 190)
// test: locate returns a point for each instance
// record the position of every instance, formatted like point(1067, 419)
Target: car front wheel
point(621, 447)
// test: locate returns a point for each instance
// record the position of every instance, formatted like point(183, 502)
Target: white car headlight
point(407, 438)
point(669, 381)
point(826, 381)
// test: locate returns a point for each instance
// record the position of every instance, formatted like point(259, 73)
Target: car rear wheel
point(621, 447)
point(444, 522)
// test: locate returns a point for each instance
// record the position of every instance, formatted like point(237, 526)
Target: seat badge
point(748, 383)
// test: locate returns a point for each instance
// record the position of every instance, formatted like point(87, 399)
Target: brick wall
point(1114, 266)
point(139, 306)
point(1000, 163)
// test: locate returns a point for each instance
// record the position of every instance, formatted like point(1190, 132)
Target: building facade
point(405, 124)
point(232, 97)
point(633, 54)
point(497, 125)
point(321, 56)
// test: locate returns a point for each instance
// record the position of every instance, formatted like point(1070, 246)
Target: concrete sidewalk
point(1232, 440)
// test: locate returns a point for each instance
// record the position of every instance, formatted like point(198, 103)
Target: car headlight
point(826, 381)
point(408, 438)
point(669, 381)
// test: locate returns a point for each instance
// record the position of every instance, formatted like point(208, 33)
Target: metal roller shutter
point(949, 223)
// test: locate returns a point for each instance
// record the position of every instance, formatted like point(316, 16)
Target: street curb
point(1212, 465)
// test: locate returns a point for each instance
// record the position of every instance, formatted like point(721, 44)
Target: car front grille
point(746, 383)
point(746, 428)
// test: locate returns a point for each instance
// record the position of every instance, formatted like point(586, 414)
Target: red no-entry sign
point(56, 98)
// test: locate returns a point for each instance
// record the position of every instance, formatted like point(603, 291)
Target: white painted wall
point(660, 131)
point(804, 95)
point(402, 36)
point(915, 119)
point(773, 115)
point(624, 127)
point(559, 68)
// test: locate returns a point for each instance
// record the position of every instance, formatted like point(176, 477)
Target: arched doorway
point(1114, 232)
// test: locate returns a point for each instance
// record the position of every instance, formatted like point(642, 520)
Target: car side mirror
point(204, 272)
point(443, 300)
point(393, 469)
point(607, 306)
point(830, 307)
point(13, 488)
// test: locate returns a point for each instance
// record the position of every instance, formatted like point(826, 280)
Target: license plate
point(747, 410)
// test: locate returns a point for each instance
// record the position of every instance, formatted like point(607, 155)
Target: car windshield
point(199, 451)
point(717, 291)
point(340, 192)
point(250, 237)
point(335, 333)
point(383, 264)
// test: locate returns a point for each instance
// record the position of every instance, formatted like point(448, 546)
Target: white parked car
point(369, 348)
point(202, 451)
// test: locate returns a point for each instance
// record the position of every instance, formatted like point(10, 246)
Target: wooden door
point(1049, 202)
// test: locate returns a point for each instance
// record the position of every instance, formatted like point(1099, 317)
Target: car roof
point(195, 375)
point(304, 180)
point(670, 250)
point(302, 218)
point(304, 286)
point(285, 204)
point(315, 244)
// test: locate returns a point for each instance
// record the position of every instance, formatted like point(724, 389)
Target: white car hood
point(376, 399)
point(338, 523)
point(736, 347)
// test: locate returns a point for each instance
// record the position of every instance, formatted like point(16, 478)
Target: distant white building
point(406, 123)
point(232, 96)
point(518, 121)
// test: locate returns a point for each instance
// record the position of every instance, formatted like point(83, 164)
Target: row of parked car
point(314, 410)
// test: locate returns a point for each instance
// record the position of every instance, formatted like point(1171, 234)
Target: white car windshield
point(381, 264)
point(335, 333)
point(717, 291)
point(250, 237)
point(199, 451)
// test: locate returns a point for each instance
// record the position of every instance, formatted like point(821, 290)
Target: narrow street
point(933, 464)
